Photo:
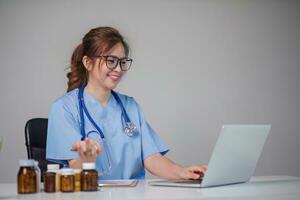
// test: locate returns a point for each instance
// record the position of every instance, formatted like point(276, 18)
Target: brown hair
point(96, 42)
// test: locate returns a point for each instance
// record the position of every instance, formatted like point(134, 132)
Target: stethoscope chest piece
point(130, 129)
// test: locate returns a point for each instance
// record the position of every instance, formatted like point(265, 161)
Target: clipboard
point(118, 183)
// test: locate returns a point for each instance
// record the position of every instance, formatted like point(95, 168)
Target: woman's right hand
point(88, 150)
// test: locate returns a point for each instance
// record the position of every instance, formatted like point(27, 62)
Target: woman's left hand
point(193, 172)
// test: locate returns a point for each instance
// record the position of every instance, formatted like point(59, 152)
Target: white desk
point(264, 187)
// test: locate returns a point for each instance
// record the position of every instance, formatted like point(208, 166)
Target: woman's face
point(101, 75)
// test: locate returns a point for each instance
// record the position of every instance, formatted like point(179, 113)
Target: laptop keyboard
point(188, 181)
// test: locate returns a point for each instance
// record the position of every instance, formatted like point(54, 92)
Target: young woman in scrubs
point(97, 66)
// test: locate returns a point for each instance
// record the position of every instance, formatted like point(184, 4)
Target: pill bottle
point(77, 179)
point(89, 177)
point(55, 168)
point(27, 177)
point(49, 181)
point(67, 180)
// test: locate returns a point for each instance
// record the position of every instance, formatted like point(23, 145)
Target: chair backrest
point(35, 138)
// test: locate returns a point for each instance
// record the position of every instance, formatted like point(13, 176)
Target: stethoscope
point(129, 128)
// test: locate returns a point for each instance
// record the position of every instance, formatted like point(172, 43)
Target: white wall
point(197, 65)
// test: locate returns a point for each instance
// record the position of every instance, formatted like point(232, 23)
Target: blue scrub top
point(126, 153)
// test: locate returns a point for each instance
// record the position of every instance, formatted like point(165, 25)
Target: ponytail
point(78, 74)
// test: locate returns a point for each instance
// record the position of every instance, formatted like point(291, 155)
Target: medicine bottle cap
point(53, 167)
point(26, 163)
point(77, 171)
point(88, 165)
point(67, 171)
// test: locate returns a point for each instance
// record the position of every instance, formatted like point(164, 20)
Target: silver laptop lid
point(236, 154)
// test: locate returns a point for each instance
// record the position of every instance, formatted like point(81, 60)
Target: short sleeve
point(63, 131)
point(151, 142)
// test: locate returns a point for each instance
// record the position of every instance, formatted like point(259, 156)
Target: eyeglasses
point(112, 62)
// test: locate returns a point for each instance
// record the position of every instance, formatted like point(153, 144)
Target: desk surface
point(262, 187)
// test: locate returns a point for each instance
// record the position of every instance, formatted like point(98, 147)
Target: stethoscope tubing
point(83, 110)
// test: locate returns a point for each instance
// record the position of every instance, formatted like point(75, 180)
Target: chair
point(35, 138)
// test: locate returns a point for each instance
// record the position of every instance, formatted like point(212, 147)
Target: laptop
point(233, 160)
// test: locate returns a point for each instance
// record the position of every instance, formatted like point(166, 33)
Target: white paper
point(120, 182)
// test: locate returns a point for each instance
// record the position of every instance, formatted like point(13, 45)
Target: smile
point(114, 77)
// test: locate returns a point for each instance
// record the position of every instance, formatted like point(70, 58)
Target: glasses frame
point(118, 62)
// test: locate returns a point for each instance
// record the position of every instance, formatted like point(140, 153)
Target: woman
point(92, 123)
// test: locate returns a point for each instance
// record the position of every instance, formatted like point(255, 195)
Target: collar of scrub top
point(130, 129)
